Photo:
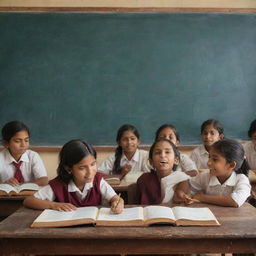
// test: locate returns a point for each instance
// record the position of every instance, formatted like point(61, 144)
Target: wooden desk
point(9, 204)
point(237, 233)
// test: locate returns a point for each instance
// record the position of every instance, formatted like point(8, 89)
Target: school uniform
point(94, 193)
point(200, 157)
point(237, 186)
point(186, 164)
point(153, 191)
point(32, 166)
point(250, 152)
point(139, 162)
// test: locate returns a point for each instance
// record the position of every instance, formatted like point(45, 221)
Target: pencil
point(118, 200)
point(192, 199)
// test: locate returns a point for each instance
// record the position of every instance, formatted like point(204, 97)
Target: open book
point(252, 176)
point(135, 216)
point(113, 180)
point(23, 190)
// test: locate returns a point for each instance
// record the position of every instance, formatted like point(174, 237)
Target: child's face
point(163, 159)
point(168, 134)
point(218, 165)
point(129, 142)
point(210, 135)
point(18, 144)
point(254, 138)
point(84, 171)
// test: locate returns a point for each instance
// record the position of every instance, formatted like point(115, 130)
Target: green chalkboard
point(82, 75)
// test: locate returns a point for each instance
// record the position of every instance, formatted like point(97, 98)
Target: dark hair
point(71, 153)
point(172, 127)
point(232, 151)
point(215, 123)
point(175, 150)
point(11, 128)
point(252, 129)
point(119, 151)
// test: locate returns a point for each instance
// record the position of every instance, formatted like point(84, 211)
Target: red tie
point(18, 174)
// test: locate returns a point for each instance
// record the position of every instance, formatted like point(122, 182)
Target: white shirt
point(237, 186)
point(250, 152)
point(139, 162)
point(106, 191)
point(200, 157)
point(168, 184)
point(32, 166)
point(186, 164)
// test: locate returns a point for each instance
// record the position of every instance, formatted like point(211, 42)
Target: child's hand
point(198, 196)
point(13, 182)
point(117, 204)
point(125, 169)
point(66, 207)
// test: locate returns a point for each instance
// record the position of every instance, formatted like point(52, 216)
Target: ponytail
point(244, 169)
point(118, 154)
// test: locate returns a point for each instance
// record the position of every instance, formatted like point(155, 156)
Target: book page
point(55, 216)
point(7, 188)
point(131, 177)
point(128, 214)
point(28, 186)
point(158, 212)
point(189, 213)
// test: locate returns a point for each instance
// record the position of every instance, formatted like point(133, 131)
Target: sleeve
point(194, 158)
point(186, 163)
point(107, 165)
point(242, 190)
point(45, 193)
point(107, 192)
point(199, 182)
point(38, 168)
point(146, 167)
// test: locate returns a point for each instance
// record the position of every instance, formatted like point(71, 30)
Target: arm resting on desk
point(39, 204)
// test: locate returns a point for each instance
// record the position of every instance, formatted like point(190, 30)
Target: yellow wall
point(131, 3)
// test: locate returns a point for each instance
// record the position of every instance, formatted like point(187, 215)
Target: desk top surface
point(235, 223)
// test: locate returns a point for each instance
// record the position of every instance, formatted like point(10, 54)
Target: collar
point(135, 157)
point(73, 188)
point(231, 181)
point(202, 150)
point(9, 158)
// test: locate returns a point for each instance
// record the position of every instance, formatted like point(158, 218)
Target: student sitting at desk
point(18, 164)
point(250, 147)
point(127, 157)
point(77, 184)
point(211, 131)
point(158, 186)
point(226, 183)
point(168, 131)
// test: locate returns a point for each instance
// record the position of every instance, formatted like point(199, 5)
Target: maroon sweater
point(149, 188)
point(93, 197)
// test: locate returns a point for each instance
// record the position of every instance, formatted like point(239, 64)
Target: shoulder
point(143, 152)
point(241, 178)
point(32, 154)
point(248, 145)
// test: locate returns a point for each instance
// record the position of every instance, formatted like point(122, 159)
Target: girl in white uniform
point(250, 147)
point(18, 164)
point(168, 131)
point(226, 183)
point(127, 157)
point(211, 131)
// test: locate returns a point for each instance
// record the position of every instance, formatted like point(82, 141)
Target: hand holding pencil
point(117, 204)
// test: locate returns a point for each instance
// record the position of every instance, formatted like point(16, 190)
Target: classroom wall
point(131, 3)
